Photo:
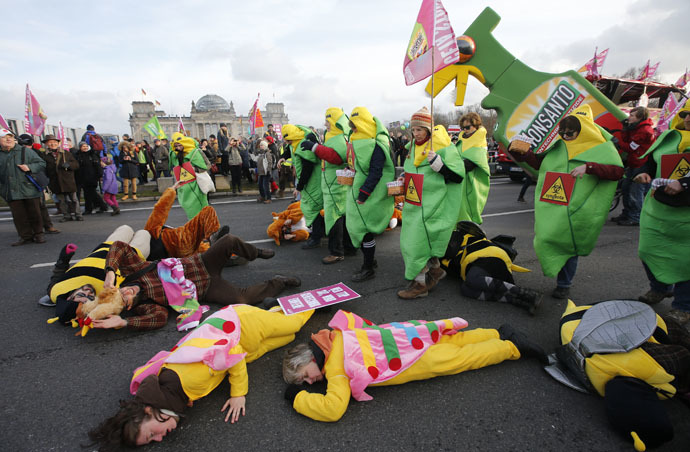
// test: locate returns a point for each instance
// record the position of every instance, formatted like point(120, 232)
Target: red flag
point(143, 92)
point(647, 72)
point(255, 119)
point(432, 35)
point(33, 114)
point(158, 103)
point(593, 66)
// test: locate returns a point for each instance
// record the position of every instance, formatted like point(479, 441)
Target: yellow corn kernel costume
point(601, 368)
point(261, 332)
point(453, 354)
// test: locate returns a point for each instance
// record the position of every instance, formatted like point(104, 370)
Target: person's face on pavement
point(151, 429)
point(311, 373)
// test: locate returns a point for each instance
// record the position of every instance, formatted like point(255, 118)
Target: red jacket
point(636, 142)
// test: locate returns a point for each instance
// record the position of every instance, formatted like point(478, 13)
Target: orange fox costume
point(186, 240)
point(292, 218)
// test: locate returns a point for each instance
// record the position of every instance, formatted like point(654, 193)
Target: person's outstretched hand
point(235, 406)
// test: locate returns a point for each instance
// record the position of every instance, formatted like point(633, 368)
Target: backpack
point(96, 142)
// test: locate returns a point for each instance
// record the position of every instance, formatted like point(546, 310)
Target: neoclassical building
point(204, 119)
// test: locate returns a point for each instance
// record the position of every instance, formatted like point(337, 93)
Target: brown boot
point(433, 276)
point(414, 290)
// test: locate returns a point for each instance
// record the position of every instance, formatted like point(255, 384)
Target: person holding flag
point(333, 155)
point(568, 219)
point(433, 186)
point(308, 180)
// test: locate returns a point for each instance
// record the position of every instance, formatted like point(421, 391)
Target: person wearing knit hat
point(473, 150)
point(369, 208)
point(333, 154)
point(433, 182)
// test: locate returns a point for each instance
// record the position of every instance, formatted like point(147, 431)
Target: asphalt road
point(56, 386)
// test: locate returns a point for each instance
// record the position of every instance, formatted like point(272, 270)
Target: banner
point(33, 115)
point(668, 111)
point(153, 127)
point(277, 128)
point(683, 80)
point(432, 43)
point(61, 137)
point(317, 298)
point(593, 66)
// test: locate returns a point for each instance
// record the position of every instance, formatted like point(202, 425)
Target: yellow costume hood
point(188, 143)
point(333, 116)
point(589, 136)
point(477, 140)
point(364, 122)
point(292, 134)
point(677, 124)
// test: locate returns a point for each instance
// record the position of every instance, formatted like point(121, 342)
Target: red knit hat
point(421, 118)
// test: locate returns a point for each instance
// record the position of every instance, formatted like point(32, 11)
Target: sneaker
point(433, 276)
point(265, 253)
point(46, 301)
point(289, 281)
point(414, 290)
point(116, 211)
point(311, 244)
point(525, 346)
point(332, 259)
point(363, 274)
point(682, 317)
point(652, 297)
point(628, 222)
point(561, 293)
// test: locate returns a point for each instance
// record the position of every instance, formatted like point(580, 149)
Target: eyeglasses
point(683, 114)
point(567, 133)
point(466, 127)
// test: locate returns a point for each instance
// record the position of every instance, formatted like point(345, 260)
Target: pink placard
point(317, 298)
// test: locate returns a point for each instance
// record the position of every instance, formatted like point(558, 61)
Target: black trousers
point(26, 214)
point(339, 239)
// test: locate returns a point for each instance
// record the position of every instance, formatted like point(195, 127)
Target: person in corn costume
point(473, 150)
point(185, 149)
point(433, 187)
point(369, 208)
point(664, 246)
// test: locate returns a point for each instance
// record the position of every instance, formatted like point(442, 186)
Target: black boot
point(218, 234)
point(525, 298)
point(363, 274)
point(526, 347)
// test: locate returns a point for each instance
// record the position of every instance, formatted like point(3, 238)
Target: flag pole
point(433, 70)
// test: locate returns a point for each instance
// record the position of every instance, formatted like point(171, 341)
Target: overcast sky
point(87, 61)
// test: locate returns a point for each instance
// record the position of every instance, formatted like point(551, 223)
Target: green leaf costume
point(564, 231)
point(375, 214)
point(475, 189)
point(311, 197)
point(427, 227)
point(190, 196)
point(665, 230)
point(334, 194)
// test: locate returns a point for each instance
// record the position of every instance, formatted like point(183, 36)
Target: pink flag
point(432, 43)
point(180, 125)
point(670, 109)
point(3, 123)
point(593, 66)
point(647, 71)
point(34, 116)
point(61, 137)
point(683, 80)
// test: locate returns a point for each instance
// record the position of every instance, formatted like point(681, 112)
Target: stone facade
point(204, 119)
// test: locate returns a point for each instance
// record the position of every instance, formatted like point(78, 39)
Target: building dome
point(212, 102)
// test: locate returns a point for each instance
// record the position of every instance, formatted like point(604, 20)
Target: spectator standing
point(264, 164)
point(60, 168)
point(87, 176)
point(211, 156)
point(224, 148)
point(27, 141)
point(94, 140)
point(161, 156)
point(129, 171)
point(235, 164)
point(19, 193)
point(142, 162)
point(110, 184)
point(635, 139)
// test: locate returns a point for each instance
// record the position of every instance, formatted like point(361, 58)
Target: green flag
point(153, 127)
